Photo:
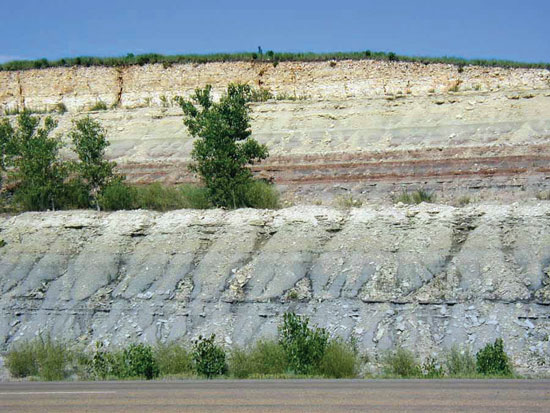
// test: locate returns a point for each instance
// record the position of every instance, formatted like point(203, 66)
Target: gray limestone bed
point(423, 277)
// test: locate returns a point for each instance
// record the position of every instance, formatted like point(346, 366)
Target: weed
point(543, 196)
point(164, 102)
point(416, 197)
point(2, 243)
point(43, 357)
point(262, 195)
point(265, 358)
point(339, 361)
point(99, 105)
point(460, 363)
point(260, 95)
point(463, 200)
point(347, 202)
point(60, 108)
point(401, 363)
point(173, 358)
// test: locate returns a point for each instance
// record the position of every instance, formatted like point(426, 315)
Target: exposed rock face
point(423, 277)
point(363, 128)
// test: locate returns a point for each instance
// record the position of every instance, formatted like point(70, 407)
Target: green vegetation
point(304, 346)
point(35, 164)
point(493, 360)
point(42, 357)
point(173, 359)
point(265, 358)
point(99, 105)
point(416, 197)
point(208, 357)
point(460, 363)
point(401, 363)
point(224, 148)
point(88, 138)
point(138, 361)
point(270, 56)
point(39, 179)
point(300, 351)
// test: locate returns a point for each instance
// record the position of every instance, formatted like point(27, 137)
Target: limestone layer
point(424, 277)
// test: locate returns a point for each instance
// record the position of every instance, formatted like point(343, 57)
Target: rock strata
point(424, 277)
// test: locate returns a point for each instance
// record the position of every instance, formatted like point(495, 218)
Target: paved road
point(279, 396)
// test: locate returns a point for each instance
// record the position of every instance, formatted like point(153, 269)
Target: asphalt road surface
point(279, 396)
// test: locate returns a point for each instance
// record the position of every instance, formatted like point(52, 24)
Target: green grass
point(416, 197)
point(275, 58)
point(41, 357)
point(99, 105)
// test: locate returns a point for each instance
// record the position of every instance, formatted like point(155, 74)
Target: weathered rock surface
point(365, 129)
point(424, 277)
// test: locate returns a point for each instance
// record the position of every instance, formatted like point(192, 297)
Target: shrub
point(463, 200)
point(431, 369)
point(266, 357)
point(138, 361)
point(165, 198)
point(61, 108)
point(262, 195)
point(400, 362)
point(116, 196)
point(224, 149)
point(99, 105)
point(260, 95)
point(492, 360)
point(304, 347)
point(460, 363)
point(208, 357)
point(104, 363)
point(339, 361)
point(416, 197)
point(43, 357)
point(173, 358)
point(347, 202)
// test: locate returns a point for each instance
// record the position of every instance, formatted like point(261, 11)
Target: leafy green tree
point(37, 169)
point(304, 346)
point(6, 133)
point(90, 142)
point(224, 148)
point(493, 360)
point(209, 358)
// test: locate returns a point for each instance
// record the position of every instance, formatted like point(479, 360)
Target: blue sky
point(516, 30)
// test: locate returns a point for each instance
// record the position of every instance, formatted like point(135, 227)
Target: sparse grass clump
point(347, 202)
point(416, 197)
point(99, 105)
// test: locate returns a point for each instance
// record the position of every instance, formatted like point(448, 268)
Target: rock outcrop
point(365, 129)
point(424, 277)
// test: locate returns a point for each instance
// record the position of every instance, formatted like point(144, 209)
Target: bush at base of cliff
point(138, 361)
point(401, 363)
point(304, 346)
point(208, 357)
point(43, 357)
point(339, 361)
point(492, 360)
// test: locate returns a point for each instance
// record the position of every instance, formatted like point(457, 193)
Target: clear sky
point(505, 29)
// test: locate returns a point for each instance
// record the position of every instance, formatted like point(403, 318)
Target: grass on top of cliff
point(268, 57)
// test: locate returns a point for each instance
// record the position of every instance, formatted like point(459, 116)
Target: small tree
point(89, 142)
point(304, 346)
point(493, 360)
point(209, 358)
point(224, 148)
point(37, 170)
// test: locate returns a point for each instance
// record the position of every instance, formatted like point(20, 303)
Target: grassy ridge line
point(269, 57)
